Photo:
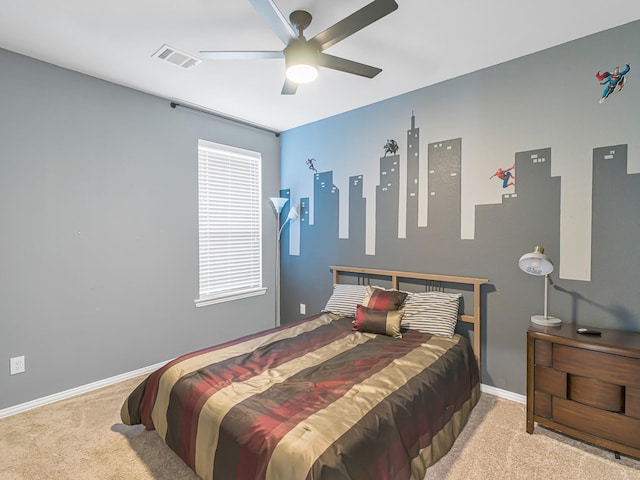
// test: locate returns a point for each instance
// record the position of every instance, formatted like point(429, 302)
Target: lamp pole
point(546, 295)
point(278, 272)
point(278, 203)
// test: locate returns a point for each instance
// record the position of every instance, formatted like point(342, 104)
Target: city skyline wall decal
point(424, 202)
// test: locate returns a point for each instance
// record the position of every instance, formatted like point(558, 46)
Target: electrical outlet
point(303, 309)
point(16, 365)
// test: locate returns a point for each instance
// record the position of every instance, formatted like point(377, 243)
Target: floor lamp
point(278, 203)
point(539, 264)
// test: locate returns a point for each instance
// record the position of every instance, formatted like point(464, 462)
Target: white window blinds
point(230, 223)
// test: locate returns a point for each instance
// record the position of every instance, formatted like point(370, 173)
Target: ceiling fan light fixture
point(302, 73)
point(301, 61)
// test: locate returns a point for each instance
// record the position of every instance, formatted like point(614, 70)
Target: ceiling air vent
point(176, 57)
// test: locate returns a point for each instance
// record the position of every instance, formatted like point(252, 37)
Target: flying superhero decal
point(311, 164)
point(506, 176)
point(613, 81)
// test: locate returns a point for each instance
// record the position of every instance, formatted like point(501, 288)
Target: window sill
point(229, 297)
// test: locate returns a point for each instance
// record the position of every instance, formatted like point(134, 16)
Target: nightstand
point(585, 386)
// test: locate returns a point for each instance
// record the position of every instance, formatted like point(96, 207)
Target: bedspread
point(312, 400)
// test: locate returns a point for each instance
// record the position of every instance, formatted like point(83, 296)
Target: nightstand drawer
point(612, 426)
point(551, 381)
point(543, 353)
point(542, 406)
point(632, 402)
point(603, 366)
point(596, 393)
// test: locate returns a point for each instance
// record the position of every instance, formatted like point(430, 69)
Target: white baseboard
point(498, 392)
point(39, 402)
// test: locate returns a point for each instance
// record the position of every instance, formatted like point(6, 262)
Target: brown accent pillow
point(378, 321)
point(379, 299)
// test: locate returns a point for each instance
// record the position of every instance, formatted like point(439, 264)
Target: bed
point(329, 397)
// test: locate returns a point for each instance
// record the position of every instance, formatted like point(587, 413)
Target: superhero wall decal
point(613, 81)
point(311, 163)
point(507, 176)
point(391, 147)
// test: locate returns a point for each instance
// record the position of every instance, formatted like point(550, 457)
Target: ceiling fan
point(302, 56)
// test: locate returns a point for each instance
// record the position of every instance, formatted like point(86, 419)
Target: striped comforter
point(312, 400)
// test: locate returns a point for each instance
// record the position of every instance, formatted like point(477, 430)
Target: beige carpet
point(82, 438)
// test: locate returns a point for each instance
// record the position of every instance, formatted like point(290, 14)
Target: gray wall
point(99, 230)
point(543, 106)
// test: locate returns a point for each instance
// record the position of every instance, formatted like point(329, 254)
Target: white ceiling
point(422, 43)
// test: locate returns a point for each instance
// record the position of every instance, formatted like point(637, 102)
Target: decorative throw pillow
point(345, 298)
point(432, 312)
point(378, 321)
point(379, 299)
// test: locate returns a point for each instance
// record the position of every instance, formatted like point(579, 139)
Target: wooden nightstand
point(585, 386)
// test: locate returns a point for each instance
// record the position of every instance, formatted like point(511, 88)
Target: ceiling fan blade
point(274, 18)
point(239, 55)
point(289, 87)
point(354, 22)
point(348, 66)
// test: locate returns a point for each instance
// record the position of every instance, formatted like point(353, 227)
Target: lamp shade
point(293, 214)
point(278, 203)
point(536, 262)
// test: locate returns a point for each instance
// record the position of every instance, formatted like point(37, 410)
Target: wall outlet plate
point(16, 365)
point(303, 309)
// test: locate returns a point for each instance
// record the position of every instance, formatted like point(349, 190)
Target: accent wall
point(488, 166)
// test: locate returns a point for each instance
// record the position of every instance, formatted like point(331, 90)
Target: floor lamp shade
point(278, 203)
point(539, 264)
point(293, 214)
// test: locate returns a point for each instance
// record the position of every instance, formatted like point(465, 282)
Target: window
point(229, 223)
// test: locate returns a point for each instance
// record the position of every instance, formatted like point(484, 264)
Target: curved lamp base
point(546, 321)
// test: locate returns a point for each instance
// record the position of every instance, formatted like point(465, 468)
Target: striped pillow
point(380, 299)
point(345, 298)
point(378, 321)
point(432, 312)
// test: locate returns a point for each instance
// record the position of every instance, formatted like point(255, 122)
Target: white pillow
point(345, 298)
point(432, 312)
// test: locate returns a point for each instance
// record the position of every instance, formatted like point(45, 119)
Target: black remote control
point(589, 331)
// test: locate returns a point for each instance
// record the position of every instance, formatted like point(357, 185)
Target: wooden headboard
point(395, 277)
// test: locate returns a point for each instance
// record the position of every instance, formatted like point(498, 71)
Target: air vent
point(176, 57)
